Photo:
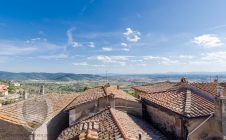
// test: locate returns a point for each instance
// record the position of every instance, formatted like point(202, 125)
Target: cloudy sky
point(117, 36)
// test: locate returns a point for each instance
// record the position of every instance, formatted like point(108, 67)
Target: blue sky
point(117, 36)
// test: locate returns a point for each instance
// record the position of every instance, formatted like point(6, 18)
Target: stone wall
point(166, 122)
point(92, 107)
point(209, 130)
point(131, 107)
point(82, 111)
point(51, 129)
point(9, 131)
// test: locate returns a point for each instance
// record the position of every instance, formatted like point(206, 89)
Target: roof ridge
point(104, 89)
point(118, 124)
point(71, 101)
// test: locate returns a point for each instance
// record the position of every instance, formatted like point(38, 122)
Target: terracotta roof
point(119, 93)
point(133, 126)
point(157, 87)
point(112, 124)
point(3, 88)
point(176, 101)
point(209, 88)
point(33, 112)
point(98, 92)
point(86, 96)
point(107, 127)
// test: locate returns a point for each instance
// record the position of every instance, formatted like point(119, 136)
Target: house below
point(38, 118)
point(3, 90)
point(185, 110)
point(95, 99)
point(111, 124)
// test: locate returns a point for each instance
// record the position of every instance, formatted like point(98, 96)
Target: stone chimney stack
point(118, 87)
point(220, 110)
point(188, 102)
point(25, 95)
point(215, 81)
point(184, 80)
point(140, 136)
point(42, 90)
point(112, 100)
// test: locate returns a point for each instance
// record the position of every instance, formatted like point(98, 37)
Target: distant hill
point(198, 76)
point(46, 76)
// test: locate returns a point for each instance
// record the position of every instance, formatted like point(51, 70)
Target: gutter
point(189, 134)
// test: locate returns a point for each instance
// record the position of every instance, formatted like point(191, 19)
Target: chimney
point(188, 102)
point(118, 87)
point(184, 80)
point(220, 91)
point(107, 85)
point(25, 95)
point(139, 136)
point(220, 111)
point(215, 81)
point(113, 100)
point(42, 90)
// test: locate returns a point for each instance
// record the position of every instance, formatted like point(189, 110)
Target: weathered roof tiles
point(114, 124)
point(33, 112)
point(176, 102)
point(157, 87)
point(99, 92)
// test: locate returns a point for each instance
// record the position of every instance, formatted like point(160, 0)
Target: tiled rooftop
point(133, 126)
point(119, 93)
point(176, 101)
point(107, 127)
point(157, 87)
point(98, 92)
point(111, 125)
point(33, 112)
point(3, 88)
point(87, 96)
point(209, 88)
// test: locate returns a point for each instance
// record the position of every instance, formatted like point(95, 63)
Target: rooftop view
point(112, 70)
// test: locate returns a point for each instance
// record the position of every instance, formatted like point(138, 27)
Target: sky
point(114, 36)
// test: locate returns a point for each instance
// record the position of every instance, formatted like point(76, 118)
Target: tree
point(11, 88)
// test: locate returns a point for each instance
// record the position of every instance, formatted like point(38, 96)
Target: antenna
point(106, 76)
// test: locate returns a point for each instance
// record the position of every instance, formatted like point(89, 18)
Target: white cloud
point(215, 56)
point(125, 49)
point(185, 56)
point(86, 64)
point(36, 39)
point(81, 64)
point(105, 59)
point(76, 44)
point(107, 49)
point(56, 56)
point(91, 45)
point(124, 44)
point(113, 59)
point(208, 41)
point(161, 60)
point(131, 35)
point(71, 41)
